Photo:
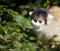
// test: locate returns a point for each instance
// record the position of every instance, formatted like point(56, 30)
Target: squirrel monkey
point(46, 23)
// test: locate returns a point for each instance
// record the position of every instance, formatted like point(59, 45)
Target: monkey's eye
point(40, 21)
point(35, 20)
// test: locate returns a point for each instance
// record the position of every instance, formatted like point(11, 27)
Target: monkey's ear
point(49, 18)
point(30, 13)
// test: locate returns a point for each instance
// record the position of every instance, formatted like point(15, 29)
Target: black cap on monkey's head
point(40, 11)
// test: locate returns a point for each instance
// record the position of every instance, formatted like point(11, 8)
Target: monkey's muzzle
point(36, 27)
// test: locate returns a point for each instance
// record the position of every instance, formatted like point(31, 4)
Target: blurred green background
point(15, 29)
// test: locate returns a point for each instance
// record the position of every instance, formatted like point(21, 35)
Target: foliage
point(15, 29)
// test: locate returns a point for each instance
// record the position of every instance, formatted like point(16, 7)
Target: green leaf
point(1, 12)
point(1, 6)
point(32, 38)
point(19, 18)
point(26, 23)
point(24, 12)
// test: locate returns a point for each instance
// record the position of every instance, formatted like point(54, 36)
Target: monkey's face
point(40, 18)
point(38, 24)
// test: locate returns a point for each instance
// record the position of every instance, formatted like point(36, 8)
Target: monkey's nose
point(36, 27)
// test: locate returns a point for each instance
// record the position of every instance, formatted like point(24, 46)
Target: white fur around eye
point(42, 22)
point(33, 22)
point(37, 23)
